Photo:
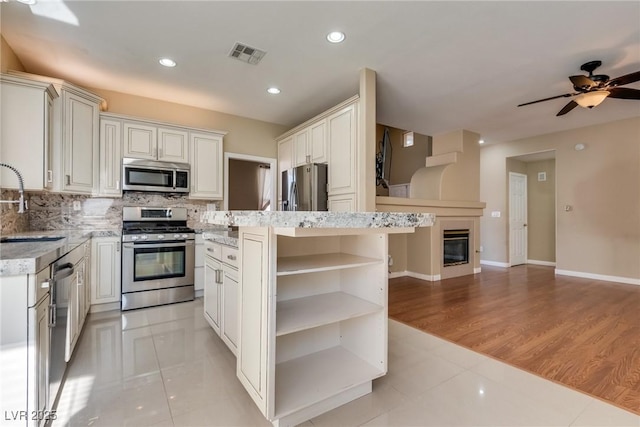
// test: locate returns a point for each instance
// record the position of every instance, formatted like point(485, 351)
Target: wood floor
point(579, 332)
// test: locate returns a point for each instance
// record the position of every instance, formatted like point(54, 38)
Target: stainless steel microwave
point(149, 175)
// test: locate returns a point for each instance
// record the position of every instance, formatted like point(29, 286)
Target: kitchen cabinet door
point(206, 166)
point(106, 264)
point(317, 146)
point(26, 132)
point(140, 141)
point(301, 154)
point(173, 145)
point(342, 203)
point(230, 308)
point(110, 158)
point(285, 162)
point(80, 144)
point(342, 138)
point(212, 292)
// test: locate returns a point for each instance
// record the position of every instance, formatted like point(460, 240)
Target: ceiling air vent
point(248, 54)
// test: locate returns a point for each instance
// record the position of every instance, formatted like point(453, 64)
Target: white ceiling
point(440, 66)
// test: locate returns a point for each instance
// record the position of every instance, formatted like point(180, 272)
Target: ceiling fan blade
point(624, 93)
point(566, 95)
point(624, 80)
point(570, 106)
point(582, 82)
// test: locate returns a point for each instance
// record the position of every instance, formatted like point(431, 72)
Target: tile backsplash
point(53, 211)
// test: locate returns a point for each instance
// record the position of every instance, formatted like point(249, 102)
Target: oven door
point(157, 265)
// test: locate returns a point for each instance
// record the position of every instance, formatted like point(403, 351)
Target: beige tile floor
point(165, 366)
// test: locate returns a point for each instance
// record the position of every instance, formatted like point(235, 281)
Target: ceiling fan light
point(591, 99)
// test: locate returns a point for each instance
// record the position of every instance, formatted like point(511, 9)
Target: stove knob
point(176, 236)
point(144, 237)
point(184, 236)
point(160, 236)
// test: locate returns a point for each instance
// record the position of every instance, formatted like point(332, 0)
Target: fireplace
point(455, 247)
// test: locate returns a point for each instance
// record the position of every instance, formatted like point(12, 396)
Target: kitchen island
point(312, 306)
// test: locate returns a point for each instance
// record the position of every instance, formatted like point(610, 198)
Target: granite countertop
point(225, 237)
point(310, 219)
point(31, 257)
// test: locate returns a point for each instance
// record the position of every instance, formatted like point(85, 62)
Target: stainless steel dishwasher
point(62, 278)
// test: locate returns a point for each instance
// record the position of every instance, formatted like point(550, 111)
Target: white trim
point(273, 164)
point(618, 279)
point(538, 262)
point(396, 274)
point(495, 263)
point(477, 270)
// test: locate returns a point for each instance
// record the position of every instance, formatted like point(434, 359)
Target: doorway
point(250, 182)
point(535, 243)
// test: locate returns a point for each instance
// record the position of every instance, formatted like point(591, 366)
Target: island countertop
point(314, 219)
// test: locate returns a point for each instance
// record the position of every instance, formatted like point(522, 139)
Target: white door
point(517, 218)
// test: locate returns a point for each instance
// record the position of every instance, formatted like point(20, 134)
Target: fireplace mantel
point(439, 207)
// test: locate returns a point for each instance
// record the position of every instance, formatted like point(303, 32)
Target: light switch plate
point(77, 206)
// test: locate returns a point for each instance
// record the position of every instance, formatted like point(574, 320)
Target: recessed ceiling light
point(273, 90)
point(481, 141)
point(335, 37)
point(167, 62)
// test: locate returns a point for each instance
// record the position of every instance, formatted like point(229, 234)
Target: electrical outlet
point(495, 214)
point(77, 205)
point(481, 249)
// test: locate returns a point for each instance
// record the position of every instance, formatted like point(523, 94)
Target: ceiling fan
point(591, 90)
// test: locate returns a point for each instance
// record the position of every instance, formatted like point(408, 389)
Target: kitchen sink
point(30, 239)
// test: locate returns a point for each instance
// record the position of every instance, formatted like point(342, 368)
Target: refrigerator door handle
point(294, 199)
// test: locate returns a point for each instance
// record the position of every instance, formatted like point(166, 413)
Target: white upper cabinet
point(300, 142)
point(146, 141)
point(110, 158)
point(26, 132)
point(140, 141)
point(342, 134)
point(80, 140)
point(317, 146)
point(173, 145)
point(310, 144)
point(206, 165)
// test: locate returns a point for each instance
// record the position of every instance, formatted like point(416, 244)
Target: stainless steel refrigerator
point(305, 188)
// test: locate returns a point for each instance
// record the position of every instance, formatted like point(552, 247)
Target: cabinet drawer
point(36, 291)
point(213, 250)
point(230, 256)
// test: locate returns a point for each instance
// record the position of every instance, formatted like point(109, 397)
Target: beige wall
point(245, 136)
point(600, 234)
point(243, 185)
point(461, 180)
point(8, 58)
point(541, 211)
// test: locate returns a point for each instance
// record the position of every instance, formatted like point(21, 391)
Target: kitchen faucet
point(22, 204)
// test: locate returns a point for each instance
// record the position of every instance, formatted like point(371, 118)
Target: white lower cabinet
point(106, 264)
point(221, 292)
point(313, 319)
point(24, 349)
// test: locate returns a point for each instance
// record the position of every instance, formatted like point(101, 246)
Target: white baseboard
point(395, 274)
point(477, 270)
point(495, 263)
point(618, 279)
point(538, 262)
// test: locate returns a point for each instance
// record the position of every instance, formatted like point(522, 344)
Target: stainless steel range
point(158, 257)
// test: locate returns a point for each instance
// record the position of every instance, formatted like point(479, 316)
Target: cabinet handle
point(232, 257)
point(49, 175)
point(210, 250)
point(68, 179)
point(218, 278)
point(117, 248)
point(308, 158)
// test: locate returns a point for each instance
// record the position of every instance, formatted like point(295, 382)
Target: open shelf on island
point(310, 379)
point(309, 312)
point(321, 262)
